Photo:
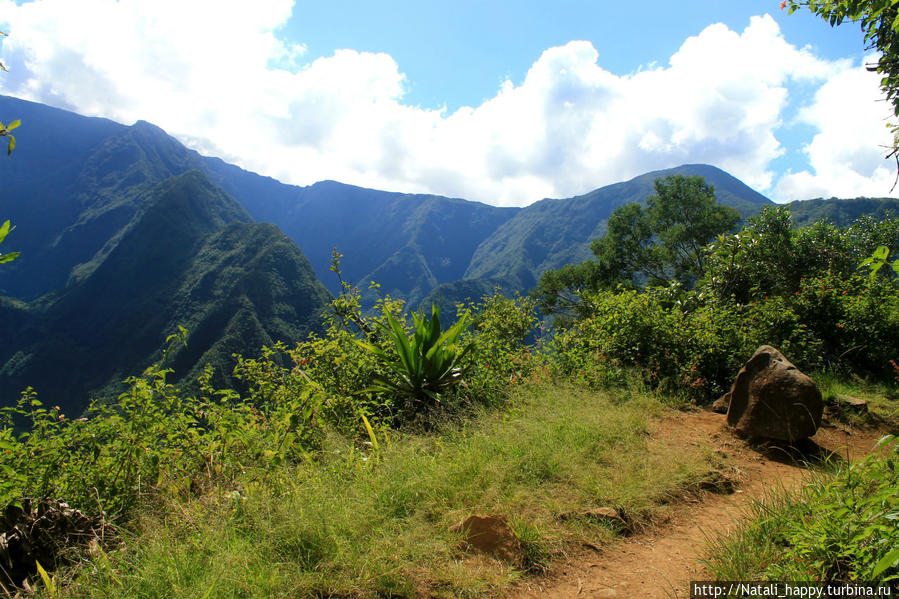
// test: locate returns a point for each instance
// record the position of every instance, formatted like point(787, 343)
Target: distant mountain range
point(125, 233)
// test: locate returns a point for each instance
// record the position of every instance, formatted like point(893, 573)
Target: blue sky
point(458, 54)
point(502, 102)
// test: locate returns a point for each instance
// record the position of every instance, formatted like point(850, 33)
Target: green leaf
point(4, 230)
point(13, 125)
point(880, 253)
point(51, 588)
point(887, 561)
point(371, 432)
point(11, 146)
point(895, 266)
point(4, 258)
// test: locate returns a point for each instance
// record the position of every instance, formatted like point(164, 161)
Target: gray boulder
point(772, 399)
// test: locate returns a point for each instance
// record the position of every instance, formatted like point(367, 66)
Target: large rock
point(771, 398)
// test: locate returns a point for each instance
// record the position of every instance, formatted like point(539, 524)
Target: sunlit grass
point(363, 523)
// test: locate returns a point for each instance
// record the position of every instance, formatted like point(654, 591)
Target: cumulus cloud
point(222, 79)
point(846, 156)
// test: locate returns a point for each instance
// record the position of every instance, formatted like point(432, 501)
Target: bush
point(691, 343)
point(501, 357)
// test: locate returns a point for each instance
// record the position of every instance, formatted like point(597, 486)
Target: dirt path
point(659, 564)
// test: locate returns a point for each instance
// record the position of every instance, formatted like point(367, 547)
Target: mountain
point(551, 233)
point(126, 233)
point(841, 212)
point(123, 238)
point(188, 257)
point(408, 243)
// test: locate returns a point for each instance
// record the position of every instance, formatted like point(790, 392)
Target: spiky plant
point(426, 364)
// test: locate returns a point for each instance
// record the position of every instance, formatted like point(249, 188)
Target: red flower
point(783, 4)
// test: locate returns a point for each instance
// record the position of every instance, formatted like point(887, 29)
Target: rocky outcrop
point(772, 399)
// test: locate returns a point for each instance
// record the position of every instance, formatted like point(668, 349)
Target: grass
point(363, 523)
point(881, 398)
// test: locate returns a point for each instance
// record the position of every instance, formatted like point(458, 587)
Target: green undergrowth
point(840, 526)
point(376, 520)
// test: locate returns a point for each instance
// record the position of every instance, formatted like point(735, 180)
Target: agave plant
point(427, 363)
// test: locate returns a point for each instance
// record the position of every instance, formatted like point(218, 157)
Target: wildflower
point(783, 4)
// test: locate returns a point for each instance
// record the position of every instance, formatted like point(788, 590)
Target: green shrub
point(501, 357)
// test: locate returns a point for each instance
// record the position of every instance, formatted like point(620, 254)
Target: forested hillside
point(187, 257)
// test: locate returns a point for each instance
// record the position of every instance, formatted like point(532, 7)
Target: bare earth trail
point(660, 563)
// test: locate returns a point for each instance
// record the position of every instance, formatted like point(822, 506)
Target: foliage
point(877, 260)
point(664, 242)
point(558, 291)
point(658, 244)
point(840, 527)
point(501, 357)
point(798, 290)
point(5, 132)
point(426, 365)
point(156, 439)
point(347, 525)
point(5, 129)
point(5, 229)
point(769, 257)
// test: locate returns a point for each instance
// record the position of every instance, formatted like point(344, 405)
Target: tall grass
point(365, 522)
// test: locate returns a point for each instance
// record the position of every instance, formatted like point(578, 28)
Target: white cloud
point(219, 77)
point(847, 154)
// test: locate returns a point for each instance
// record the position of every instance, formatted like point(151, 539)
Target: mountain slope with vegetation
point(188, 257)
point(841, 212)
point(552, 233)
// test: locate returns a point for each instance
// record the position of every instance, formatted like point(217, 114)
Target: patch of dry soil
point(659, 563)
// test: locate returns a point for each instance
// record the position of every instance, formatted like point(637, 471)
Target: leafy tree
point(664, 241)
point(879, 20)
point(770, 257)
point(658, 244)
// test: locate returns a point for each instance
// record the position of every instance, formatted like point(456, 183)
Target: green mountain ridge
point(188, 257)
point(841, 212)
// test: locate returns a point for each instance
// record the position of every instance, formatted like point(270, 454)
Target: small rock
point(492, 536)
point(850, 404)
